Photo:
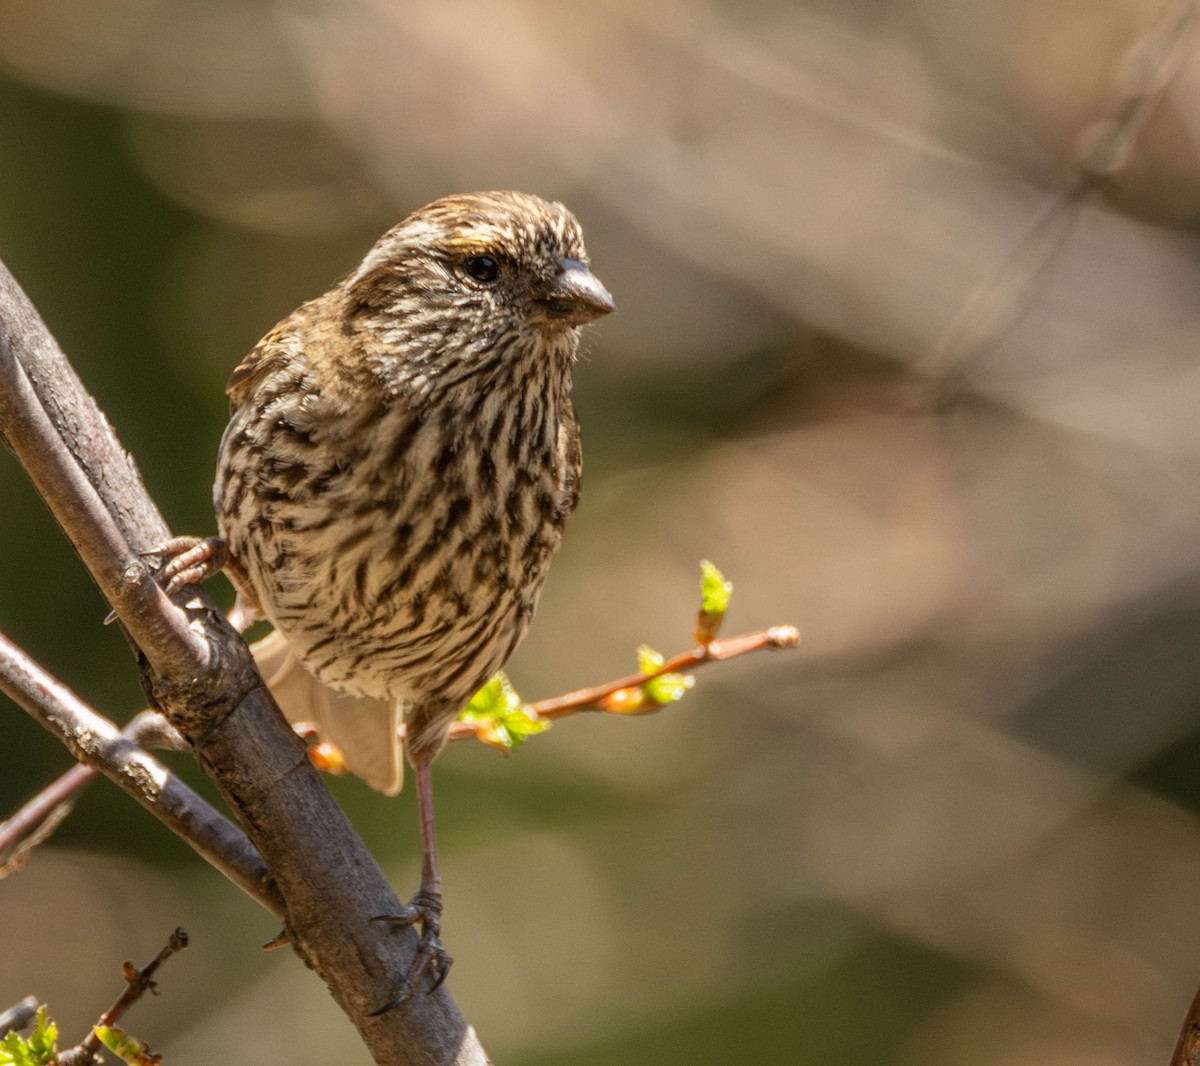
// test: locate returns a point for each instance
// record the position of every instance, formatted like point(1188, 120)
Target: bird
point(401, 457)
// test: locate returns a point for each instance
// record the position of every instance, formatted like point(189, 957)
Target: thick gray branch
point(199, 672)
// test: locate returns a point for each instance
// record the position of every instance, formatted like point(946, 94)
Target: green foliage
point(665, 689)
point(125, 1047)
point(501, 718)
point(35, 1050)
point(715, 591)
point(651, 694)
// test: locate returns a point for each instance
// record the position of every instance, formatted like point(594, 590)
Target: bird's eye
point(483, 268)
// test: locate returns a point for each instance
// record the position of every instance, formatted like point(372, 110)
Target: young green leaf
point(44, 1038)
point(500, 717)
point(125, 1047)
point(36, 1050)
point(649, 660)
point(15, 1051)
point(715, 592)
point(651, 694)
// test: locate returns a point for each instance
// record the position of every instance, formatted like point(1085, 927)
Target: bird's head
point(473, 280)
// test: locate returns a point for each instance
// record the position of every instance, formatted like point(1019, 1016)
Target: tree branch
point(198, 671)
point(597, 697)
point(39, 817)
point(586, 699)
point(96, 742)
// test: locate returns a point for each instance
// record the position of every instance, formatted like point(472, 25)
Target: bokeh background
point(960, 825)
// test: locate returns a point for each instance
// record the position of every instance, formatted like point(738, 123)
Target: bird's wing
point(366, 730)
point(276, 345)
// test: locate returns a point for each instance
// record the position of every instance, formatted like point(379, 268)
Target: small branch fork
point(137, 982)
point(36, 820)
point(97, 742)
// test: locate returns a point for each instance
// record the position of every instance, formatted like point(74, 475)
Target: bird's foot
point(188, 561)
point(431, 958)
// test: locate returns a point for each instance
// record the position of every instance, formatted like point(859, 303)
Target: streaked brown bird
point(400, 461)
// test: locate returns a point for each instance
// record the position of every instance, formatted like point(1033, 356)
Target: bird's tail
point(366, 730)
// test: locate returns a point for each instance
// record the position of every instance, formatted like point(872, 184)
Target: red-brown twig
point(136, 983)
point(591, 699)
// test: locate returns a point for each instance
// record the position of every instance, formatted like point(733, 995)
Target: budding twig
point(588, 699)
point(136, 983)
point(592, 699)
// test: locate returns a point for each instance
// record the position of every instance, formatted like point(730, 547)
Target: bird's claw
point(431, 958)
point(184, 561)
point(188, 561)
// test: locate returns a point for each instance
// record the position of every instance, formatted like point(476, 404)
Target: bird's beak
point(573, 297)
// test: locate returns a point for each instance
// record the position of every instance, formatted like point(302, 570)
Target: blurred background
point(960, 824)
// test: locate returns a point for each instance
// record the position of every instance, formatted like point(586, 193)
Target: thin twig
point(37, 819)
point(718, 651)
point(995, 306)
point(19, 1015)
point(591, 699)
point(1146, 70)
point(96, 741)
point(136, 983)
point(33, 824)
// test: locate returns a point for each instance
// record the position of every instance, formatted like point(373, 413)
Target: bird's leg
point(426, 906)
